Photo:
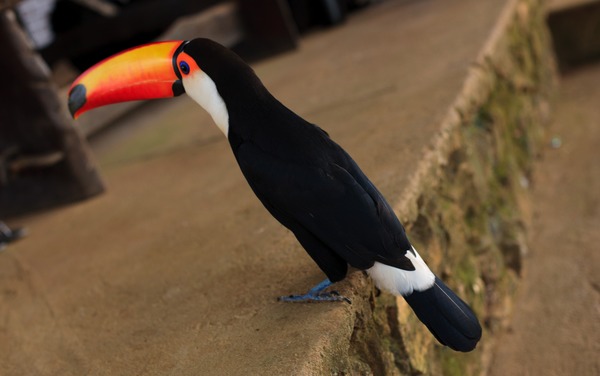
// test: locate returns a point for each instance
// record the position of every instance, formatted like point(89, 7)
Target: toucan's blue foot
point(316, 294)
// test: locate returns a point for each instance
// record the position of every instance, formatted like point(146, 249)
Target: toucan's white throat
point(202, 89)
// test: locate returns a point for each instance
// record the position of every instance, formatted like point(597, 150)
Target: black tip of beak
point(178, 88)
point(77, 98)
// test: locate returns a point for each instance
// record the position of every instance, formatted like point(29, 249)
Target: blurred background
point(60, 39)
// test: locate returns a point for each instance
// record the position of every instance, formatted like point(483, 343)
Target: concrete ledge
point(176, 269)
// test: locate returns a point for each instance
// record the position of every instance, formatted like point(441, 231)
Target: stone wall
point(468, 205)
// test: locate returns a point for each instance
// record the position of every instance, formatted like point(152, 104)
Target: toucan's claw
point(316, 294)
point(309, 298)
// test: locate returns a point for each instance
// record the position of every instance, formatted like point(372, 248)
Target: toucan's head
point(205, 70)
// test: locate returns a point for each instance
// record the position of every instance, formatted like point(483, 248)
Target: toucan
point(302, 177)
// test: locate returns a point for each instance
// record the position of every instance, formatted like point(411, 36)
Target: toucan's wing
point(332, 200)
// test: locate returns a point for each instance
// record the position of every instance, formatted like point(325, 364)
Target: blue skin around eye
point(185, 68)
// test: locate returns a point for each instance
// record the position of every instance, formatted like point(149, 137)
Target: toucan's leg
point(316, 294)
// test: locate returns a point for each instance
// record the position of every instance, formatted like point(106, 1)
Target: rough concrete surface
point(555, 327)
point(176, 269)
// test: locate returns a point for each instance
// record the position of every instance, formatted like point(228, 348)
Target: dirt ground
point(555, 327)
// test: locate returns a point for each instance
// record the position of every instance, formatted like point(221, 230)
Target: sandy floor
point(555, 329)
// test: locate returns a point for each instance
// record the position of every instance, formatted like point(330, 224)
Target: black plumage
point(315, 189)
point(305, 180)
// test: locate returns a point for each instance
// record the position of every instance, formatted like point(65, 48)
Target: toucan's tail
point(450, 319)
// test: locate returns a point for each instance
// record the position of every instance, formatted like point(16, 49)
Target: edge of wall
point(466, 205)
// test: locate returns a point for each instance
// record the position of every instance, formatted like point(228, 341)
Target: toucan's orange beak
point(145, 72)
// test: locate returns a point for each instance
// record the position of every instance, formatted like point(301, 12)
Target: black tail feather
point(448, 318)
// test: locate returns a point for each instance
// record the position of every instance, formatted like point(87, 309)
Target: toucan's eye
point(185, 68)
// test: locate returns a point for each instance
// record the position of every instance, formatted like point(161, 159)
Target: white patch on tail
point(403, 282)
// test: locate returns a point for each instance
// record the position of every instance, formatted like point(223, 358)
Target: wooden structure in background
point(43, 159)
point(575, 32)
